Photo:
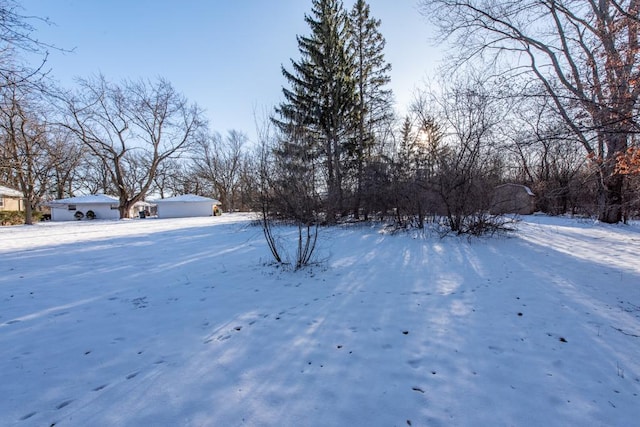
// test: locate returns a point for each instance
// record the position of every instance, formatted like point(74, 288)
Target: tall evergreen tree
point(373, 99)
point(321, 97)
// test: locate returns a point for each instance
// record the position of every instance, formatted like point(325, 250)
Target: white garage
point(75, 208)
point(187, 205)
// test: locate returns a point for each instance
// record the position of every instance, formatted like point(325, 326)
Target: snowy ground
point(180, 323)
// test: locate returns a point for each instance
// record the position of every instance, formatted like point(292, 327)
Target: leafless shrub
point(287, 196)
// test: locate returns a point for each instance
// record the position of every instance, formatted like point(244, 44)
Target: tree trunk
point(610, 199)
point(610, 188)
point(28, 212)
point(124, 208)
point(124, 212)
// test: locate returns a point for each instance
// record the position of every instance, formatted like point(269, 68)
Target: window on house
point(1, 202)
point(72, 207)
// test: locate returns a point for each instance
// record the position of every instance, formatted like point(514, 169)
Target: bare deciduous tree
point(132, 128)
point(459, 157)
point(170, 179)
point(67, 154)
point(220, 162)
point(25, 151)
point(543, 154)
point(16, 38)
point(585, 53)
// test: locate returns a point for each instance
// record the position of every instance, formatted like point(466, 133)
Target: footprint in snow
point(133, 375)
point(63, 404)
point(414, 363)
point(100, 387)
point(140, 302)
point(29, 415)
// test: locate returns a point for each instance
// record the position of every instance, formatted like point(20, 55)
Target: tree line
point(544, 94)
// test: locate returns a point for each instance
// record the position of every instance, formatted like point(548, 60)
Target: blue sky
point(223, 54)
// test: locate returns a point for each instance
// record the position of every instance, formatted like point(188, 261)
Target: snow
point(188, 198)
point(10, 192)
point(88, 199)
point(183, 322)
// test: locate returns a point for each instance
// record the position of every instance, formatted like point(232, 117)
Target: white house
point(102, 206)
point(187, 205)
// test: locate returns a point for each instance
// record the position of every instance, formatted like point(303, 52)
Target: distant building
point(10, 199)
point(74, 208)
point(99, 206)
point(187, 205)
point(513, 199)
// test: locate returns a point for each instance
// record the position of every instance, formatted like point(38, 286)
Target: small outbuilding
point(95, 206)
point(10, 199)
point(513, 199)
point(142, 210)
point(187, 205)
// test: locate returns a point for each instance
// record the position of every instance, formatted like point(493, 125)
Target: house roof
point(524, 187)
point(10, 192)
point(187, 198)
point(94, 199)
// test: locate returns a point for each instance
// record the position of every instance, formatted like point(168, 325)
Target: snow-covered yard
point(180, 323)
